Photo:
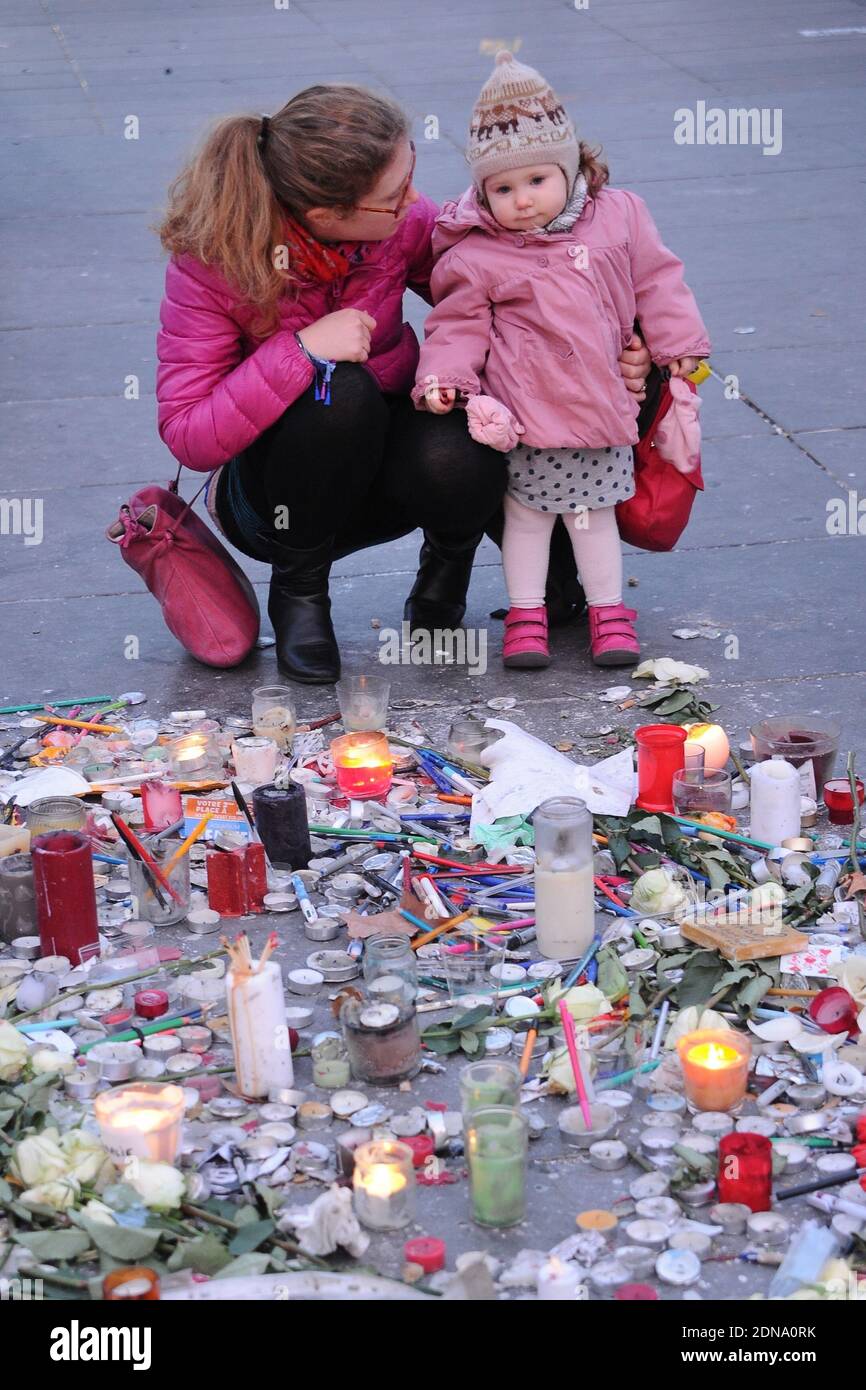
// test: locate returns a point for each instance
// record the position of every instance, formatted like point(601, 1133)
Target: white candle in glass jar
point(141, 1121)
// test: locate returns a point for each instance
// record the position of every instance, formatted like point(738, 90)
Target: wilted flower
point(657, 893)
point(39, 1159)
point(852, 977)
point(13, 1051)
point(670, 672)
point(61, 1194)
point(159, 1185)
point(85, 1155)
point(48, 1059)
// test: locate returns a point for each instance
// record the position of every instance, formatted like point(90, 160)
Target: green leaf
point(681, 701)
point(619, 847)
point(648, 825)
point(701, 1163)
point(753, 991)
point(249, 1237)
point(612, 978)
point(244, 1215)
point(52, 1246)
point(470, 1042)
point(636, 1005)
point(470, 1018)
point(121, 1242)
point(701, 977)
point(735, 974)
point(244, 1265)
point(270, 1197)
point(5, 1191)
point(442, 1046)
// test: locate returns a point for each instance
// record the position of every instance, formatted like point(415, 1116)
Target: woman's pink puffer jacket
point(218, 387)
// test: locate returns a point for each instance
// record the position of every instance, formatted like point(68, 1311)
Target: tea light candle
point(255, 760)
point(558, 1282)
point(362, 764)
point(143, 1120)
point(715, 1067)
point(384, 1185)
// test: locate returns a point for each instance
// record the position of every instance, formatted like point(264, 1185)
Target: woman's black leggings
point(364, 469)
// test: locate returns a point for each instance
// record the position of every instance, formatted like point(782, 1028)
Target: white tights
point(526, 551)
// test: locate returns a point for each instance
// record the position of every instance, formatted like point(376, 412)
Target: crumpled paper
point(326, 1223)
point(524, 771)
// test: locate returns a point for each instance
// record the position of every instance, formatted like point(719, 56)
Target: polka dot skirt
point(563, 480)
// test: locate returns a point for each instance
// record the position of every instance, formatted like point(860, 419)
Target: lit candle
point(143, 1120)
point(714, 741)
point(715, 1067)
point(558, 1281)
point(363, 764)
point(384, 1185)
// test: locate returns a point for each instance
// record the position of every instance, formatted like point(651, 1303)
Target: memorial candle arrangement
point(362, 764)
point(141, 1121)
point(715, 1065)
point(384, 1185)
point(65, 895)
point(257, 1019)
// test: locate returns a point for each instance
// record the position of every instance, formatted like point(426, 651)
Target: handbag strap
point(174, 487)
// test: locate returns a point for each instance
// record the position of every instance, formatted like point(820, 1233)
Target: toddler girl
point(541, 274)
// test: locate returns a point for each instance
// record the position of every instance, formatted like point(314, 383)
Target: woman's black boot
point(438, 596)
point(300, 610)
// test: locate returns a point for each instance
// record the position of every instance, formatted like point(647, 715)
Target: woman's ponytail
point(325, 148)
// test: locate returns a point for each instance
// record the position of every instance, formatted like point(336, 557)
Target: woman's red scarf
point(311, 258)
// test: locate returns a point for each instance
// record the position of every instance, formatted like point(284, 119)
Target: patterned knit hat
point(518, 120)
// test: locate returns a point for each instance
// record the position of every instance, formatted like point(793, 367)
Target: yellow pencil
point(183, 848)
point(79, 724)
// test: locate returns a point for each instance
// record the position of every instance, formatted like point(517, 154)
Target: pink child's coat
point(538, 321)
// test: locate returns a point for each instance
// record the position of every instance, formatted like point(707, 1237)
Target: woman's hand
point(684, 366)
point(634, 364)
point(440, 399)
point(340, 337)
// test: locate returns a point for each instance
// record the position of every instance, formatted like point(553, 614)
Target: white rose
point(61, 1194)
point(48, 1059)
point(690, 1021)
point(658, 894)
point(98, 1211)
point(670, 672)
point(85, 1155)
point(852, 977)
point(585, 1002)
point(159, 1185)
point(39, 1159)
point(13, 1052)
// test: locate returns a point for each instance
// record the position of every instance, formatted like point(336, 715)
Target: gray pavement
point(770, 245)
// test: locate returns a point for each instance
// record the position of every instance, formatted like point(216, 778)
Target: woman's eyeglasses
point(404, 191)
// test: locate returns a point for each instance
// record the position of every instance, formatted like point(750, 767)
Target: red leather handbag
point(657, 515)
point(207, 601)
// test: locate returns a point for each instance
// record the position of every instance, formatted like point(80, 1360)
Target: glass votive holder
point(150, 909)
point(383, 1182)
point(363, 702)
point(56, 813)
point(362, 765)
point(483, 1084)
point(659, 756)
point(746, 1170)
point(390, 969)
point(255, 759)
point(330, 1058)
point(467, 738)
point(496, 1143)
point(467, 961)
point(161, 804)
point(839, 801)
point(800, 740)
point(195, 758)
point(17, 898)
point(715, 1064)
point(383, 1040)
point(141, 1121)
point(698, 791)
point(274, 715)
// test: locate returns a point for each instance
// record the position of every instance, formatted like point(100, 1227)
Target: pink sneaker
point(613, 640)
point(525, 642)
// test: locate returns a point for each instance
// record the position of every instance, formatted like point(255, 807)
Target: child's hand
point(440, 399)
point(683, 366)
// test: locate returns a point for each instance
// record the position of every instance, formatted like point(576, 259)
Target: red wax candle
point(659, 756)
point(65, 895)
point(426, 1251)
point(257, 875)
point(422, 1148)
point(745, 1170)
point(161, 804)
point(227, 882)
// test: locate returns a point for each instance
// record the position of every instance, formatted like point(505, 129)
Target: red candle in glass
point(227, 882)
point(257, 875)
point(746, 1170)
point(65, 895)
point(659, 756)
point(161, 804)
point(362, 764)
point(839, 801)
